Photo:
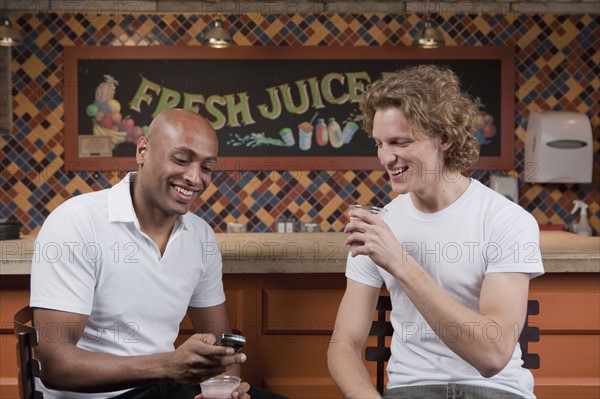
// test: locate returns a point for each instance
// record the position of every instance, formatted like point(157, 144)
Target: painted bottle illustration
point(321, 132)
point(335, 133)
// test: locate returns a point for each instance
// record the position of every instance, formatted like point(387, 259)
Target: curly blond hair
point(432, 102)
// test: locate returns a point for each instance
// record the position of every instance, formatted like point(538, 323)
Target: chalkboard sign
point(281, 108)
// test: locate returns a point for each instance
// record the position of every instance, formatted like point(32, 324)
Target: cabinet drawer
point(299, 311)
point(567, 356)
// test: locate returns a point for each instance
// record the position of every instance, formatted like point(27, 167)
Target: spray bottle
point(583, 227)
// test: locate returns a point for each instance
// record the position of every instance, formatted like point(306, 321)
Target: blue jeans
point(448, 391)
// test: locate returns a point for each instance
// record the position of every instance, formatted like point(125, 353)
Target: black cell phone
point(236, 341)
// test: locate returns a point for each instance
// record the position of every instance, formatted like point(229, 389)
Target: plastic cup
point(375, 210)
point(220, 387)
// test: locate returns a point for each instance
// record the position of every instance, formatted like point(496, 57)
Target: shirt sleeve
point(363, 270)
point(63, 266)
point(514, 245)
point(209, 291)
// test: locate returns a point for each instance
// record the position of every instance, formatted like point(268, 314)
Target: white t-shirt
point(481, 232)
point(92, 258)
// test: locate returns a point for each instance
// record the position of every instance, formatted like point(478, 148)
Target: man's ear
point(445, 142)
point(141, 150)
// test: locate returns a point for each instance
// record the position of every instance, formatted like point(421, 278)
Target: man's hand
point(369, 235)
point(197, 359)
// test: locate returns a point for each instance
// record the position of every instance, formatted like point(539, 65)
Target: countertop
point(562, 252)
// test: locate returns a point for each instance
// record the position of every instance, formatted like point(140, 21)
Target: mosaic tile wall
point(557, 68)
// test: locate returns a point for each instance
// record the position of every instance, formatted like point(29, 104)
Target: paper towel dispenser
point(558, 148)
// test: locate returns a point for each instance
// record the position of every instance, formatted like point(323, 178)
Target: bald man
point(116, 271)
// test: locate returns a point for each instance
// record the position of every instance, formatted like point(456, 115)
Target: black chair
point(27, 340)
point(530, 334)
point(382, 329)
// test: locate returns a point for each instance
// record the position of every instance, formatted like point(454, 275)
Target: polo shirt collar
point(120, 204)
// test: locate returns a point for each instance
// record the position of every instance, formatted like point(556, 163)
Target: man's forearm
point(79, 370)
point(349, 373)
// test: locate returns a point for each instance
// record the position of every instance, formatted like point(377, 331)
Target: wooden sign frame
point(270, 62)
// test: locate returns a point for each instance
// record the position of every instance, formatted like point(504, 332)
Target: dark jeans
point(170, 390)
point(448, 391)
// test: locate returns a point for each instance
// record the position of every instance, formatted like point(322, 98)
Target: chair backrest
point(29, 367)
point(381, 328)
point(530, 334)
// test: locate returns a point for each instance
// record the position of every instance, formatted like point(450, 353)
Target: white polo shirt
point(92, 258)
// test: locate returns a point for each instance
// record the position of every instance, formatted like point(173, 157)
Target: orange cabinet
point(569, 346)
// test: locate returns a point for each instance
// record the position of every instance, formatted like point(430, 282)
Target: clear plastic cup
point(220, 387)
point(375, 210)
